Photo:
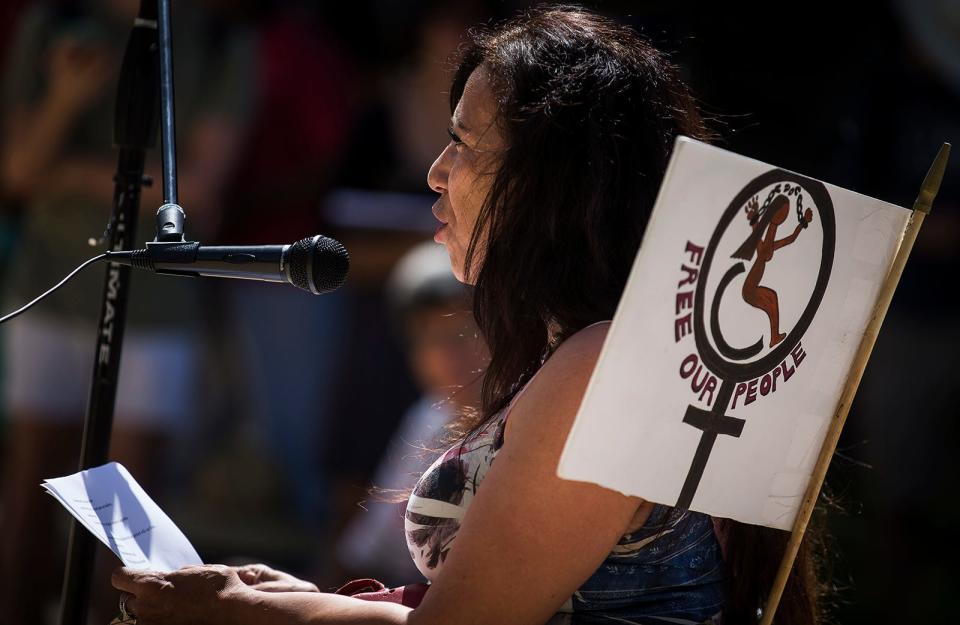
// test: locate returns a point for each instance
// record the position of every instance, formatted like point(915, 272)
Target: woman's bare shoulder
point(587, 341)
point(578, 353)
point(554, 395)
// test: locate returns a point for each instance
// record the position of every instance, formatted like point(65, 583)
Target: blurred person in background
point(431, 310)
point(405, 51)
point(280, 347)
point(58, 162)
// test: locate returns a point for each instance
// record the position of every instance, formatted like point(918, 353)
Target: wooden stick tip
point(931, 183)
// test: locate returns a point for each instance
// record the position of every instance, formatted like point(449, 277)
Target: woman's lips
point(437, 236)
point(435, 209)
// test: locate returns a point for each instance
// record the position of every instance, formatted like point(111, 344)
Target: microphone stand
point(135, 131)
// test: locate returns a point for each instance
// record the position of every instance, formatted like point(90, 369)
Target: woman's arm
point(528, 541)
point(215, 595)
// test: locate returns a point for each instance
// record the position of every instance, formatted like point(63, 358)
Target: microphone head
point(318, 264)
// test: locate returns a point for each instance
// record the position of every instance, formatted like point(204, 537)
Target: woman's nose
point(437, 176)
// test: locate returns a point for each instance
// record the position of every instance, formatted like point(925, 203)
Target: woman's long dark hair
point(589, 112)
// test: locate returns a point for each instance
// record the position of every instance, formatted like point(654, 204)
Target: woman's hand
point(752, 208)
point(213, 594)
point(262, 577)
point(194, 594)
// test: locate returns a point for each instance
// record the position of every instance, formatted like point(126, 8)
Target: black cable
point(83, 266)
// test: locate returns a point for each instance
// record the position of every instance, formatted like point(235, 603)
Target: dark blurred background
point(303, 117)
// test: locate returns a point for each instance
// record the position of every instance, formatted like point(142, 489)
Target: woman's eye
point(454, 137)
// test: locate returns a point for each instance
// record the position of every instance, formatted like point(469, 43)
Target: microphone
point(316, 264)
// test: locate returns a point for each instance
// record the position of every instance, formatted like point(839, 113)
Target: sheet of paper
point(115, 509)
point(730, 347)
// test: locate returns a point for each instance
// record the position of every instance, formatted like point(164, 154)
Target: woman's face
point(781, 213)
point(464, 171)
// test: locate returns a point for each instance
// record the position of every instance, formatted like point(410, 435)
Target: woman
point(764, 243)
point(561, 130)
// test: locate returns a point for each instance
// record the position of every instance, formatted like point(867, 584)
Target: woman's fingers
point(262, 577)
point(252, 573)
point(131, 605)
point(183, 597)
point(295, 585)
point(247, 576)
point(134, 581)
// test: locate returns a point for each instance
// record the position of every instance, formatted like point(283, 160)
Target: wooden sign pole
point(921, 208)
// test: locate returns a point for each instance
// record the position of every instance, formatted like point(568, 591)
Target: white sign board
point(731, 345)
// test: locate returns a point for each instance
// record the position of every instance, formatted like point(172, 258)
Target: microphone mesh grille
point(299, 255)
point(330, 263)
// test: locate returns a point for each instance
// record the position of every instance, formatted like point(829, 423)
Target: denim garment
point(668, 571)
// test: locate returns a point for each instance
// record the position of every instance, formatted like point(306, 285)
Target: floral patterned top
point(667, 571)
point(440, 499)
